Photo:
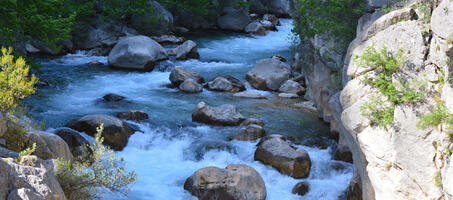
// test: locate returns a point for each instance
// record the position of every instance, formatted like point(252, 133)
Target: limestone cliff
point(399, 161)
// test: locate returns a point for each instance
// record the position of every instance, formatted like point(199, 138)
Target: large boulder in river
point(292, 87)
point(226, 84)
point(144, 22)
point(190, 86)
point(255, 28)
point(76, 142)
point(275, 151)
point(235, 182)
point(268, 74)
point(186, 50)
point(233, 19)
point(136, 53)
point(180, 74)
point(226, 115)
point(251, 133)
point(116, 133)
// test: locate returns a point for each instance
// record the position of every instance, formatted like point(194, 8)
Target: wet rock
point(116, 133)
point(226, 84)
point(235, 182)
point(272, 18)
point(190, 86)
point(301, 188)
point(233, 19)
point(95, 63)
point(251, 133)
point(137, 53)
point(255, 28)
point(252, 121)
point(288, 95)
point(268, 25)
point(113, 97)
point(268, 74)
point(179, 74)
point(168, 39)
point(292, 87)
point(275, 151)
point(187, 50)
point(249, 95)
point(200, 149)
point(226, 115)
point(76, 142)
point(133, 115)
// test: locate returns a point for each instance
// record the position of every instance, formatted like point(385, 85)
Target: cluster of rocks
point(259, 26)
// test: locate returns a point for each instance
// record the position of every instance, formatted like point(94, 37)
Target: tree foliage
point(95, 174)
point(337, 18)
point(15, 83)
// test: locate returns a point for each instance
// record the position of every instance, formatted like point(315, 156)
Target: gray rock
point(226, 84)
point(187, 50)
point(268, 74)
point(301, 188)
point(255, 28)
point(6, 153)
point(76, 142)
point(168, 39)
point(268, 25)
point(143, 22)
point(48, 145)
point(250, 121)
point(292, 87)
point(137, 52)
point(116, 133)
point(190, 86)
point(275, 151)
point(87, 36)
point(288, 95)
point(272, 18)
point(233, 19)
point(24, 193)
point(235, 182)
point(249, 95)
point(133, 115)
point(251, 133)
point(441, 20)
point(226, 115)
point(179, 74)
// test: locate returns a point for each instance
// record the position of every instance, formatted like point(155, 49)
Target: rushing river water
point(171, 147)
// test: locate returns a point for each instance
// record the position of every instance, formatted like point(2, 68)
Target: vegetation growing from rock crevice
point(396, 90)
point(93, 175)
point(337, 18)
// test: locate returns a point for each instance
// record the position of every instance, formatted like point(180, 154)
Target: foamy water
point(171, 147)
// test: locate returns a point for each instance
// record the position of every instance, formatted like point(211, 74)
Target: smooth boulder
point(180, 74)
point(187, 50)
point(275, 151)
point(190, 86)
point(268, 74)
point(255, 28)
point(292, 87)
point(136, 53)
point(116, 133)
point(225, 115)
point(226, 84)
point(251, 133)
point(133, 115)
point(235, 182)
point(76, 142)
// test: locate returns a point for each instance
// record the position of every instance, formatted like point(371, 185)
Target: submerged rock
point(113, 97)
point(226, 115)
point(275, 151)
point(268, 74)
point(180, 74)
point(116, 133)
point(136, 52)
point(190, 86)
point(235, 182)
point(301, 188)
point(133, 115)
point(95, 63)
point(251, 133)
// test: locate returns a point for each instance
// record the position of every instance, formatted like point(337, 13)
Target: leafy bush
point(338, 18)
point(25, 153)
point(15, 83)
point(440, 115)
point(95, 174)
point(386, 64)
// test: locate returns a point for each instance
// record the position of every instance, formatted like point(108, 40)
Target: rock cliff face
point(399, 161)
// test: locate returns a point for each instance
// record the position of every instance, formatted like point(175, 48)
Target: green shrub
point(25, 153)
point(94, 175)
point(337, 18)
point(378, 112)
point(440, 115)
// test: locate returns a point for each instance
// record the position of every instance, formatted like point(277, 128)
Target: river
point(170, 147)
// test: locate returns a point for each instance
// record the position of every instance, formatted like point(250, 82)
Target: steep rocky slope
point(400, 160)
